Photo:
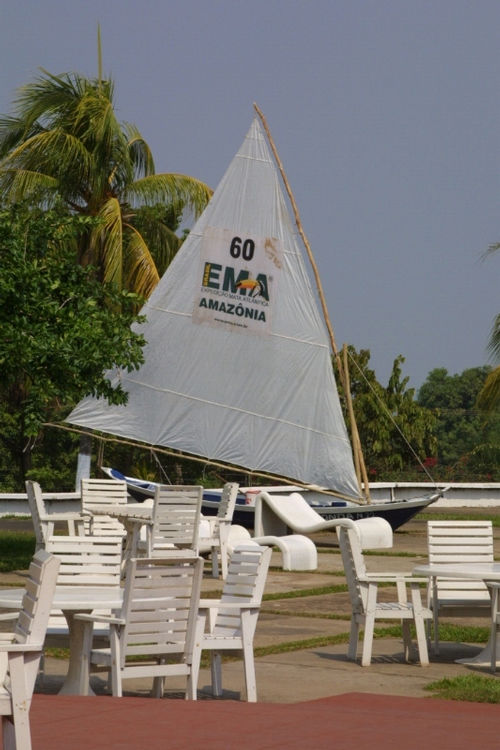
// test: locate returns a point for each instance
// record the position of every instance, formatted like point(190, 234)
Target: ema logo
point(224, 278)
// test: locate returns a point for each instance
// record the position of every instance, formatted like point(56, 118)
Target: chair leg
point(16, 730)
point(435, 621)
point(493, 629)
point(249, 667)
point(405, 627)
point(216, 670)
point(353, 639)
point(215, 563)
point(158, 687)
point(421, 641)
point(9, 736)
point(416, 600)
point(366, 656)
point(192, 687)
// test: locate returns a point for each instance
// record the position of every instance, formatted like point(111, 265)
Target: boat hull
point(396, 512)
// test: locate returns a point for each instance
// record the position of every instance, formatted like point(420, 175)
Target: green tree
point(395, 431)
point(468, 446)
point(489, 396)
point(61, 328)
point(64, 142)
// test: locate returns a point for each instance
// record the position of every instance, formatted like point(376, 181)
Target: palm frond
point(142, 275)
point(139, 152)
point(106, 242)
point(54, 99)
point(52, 152)
point(165, 188)
point(494, 341)
point(13, 132)
point(163, 243)
point(489, 396)
point(18, 184)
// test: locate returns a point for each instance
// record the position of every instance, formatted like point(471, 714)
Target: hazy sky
point(386, 114)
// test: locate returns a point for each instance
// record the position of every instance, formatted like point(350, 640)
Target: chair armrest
point(16, 647)
point(218, 604)
point(391, 578)
point(109, 619)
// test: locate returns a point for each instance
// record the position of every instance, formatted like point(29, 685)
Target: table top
point(70, 597)
point(124, 510)
point(474, 571)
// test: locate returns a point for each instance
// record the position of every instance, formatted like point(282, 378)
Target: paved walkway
point(353, 721)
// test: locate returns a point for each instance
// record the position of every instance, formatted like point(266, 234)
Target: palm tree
point(489, 397)
point(65, 143)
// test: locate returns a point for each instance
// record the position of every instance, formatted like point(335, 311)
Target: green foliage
point(471, 687)
point(16, 550)
point(65, 142)
point(61, 328)
point(392, 426)
point(468, 444)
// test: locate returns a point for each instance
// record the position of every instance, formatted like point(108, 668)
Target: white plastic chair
point(20, 651)
point(176, 520)
point(96, 494)
point(216, 539)
point(157, 621)
point(232, 619)
point(458, 542)
point(43, 521)
point(84, 561)
point(373, 533)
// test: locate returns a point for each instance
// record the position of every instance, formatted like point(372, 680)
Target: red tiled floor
point(344, 722)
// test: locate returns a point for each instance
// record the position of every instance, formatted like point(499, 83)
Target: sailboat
point(238, 363)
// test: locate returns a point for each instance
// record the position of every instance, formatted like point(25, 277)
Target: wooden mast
point(344, 378)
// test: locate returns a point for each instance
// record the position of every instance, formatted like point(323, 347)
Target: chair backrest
point(354, 536)
point(176, 516)
point(245, 583)
point(96, 494)
point(227, 503)
point(37, 599)
point(33, 618)
point(460, 542)
point(87, 560)
point(38, 512)
point(160, 607)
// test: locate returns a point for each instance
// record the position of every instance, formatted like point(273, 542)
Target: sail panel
point(224, 385)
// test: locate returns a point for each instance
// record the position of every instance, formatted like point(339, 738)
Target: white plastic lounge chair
point(43, 521)
point(232, 619)
point(373, 533)
point(157, 621)
point(277, 514)
point(216, 538)
point(458, 542)
point(20, 651)
point(298, 552)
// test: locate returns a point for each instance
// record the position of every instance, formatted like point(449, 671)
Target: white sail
point(237, 362)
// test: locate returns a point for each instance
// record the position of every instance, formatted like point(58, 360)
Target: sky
point(386, 116)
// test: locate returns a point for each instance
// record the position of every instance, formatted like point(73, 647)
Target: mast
point(359, 461)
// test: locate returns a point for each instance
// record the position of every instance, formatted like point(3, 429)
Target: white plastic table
point(133, 516)
point(487, 572)
point(72, 600)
